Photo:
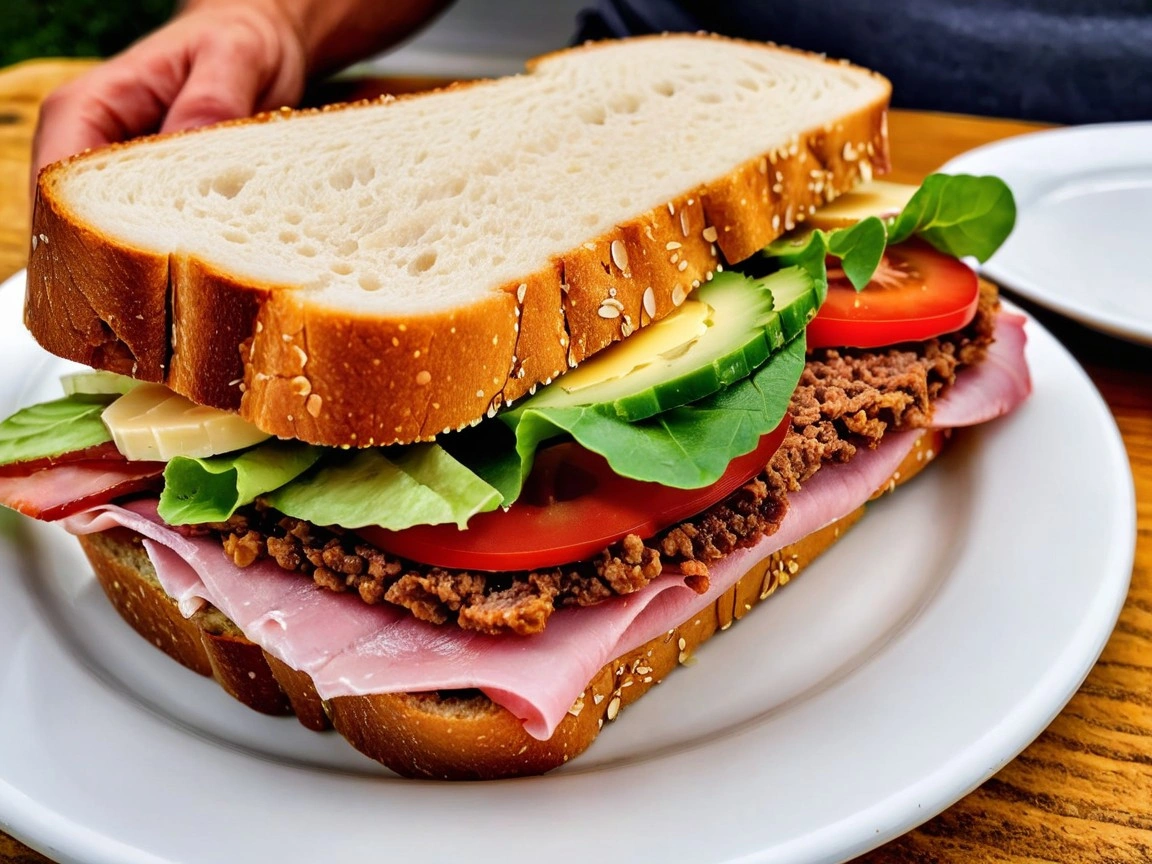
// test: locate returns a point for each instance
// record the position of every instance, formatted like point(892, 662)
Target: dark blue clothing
point(1065, 61)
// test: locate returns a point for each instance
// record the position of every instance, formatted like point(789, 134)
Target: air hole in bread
point(664, 88)
point(178, 203)
point(628, 103)
point(365, 171)
point(709, 98)
point(593, 115)
point(340, 179)
point(289, 236)
point(235, 236)
point(748, 84)
point(455, 186)
point(369, 282)
point(365, 201)
point(341, 268)
point(590, 219)
point(306, 250)
point(347, 247)
point(293, 217)
point(231, 182)
point(423, 262)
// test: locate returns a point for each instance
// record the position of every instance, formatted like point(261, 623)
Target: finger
point(223, 84)
point(111, 103)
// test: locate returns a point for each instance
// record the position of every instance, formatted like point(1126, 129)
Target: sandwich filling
point(846, 399)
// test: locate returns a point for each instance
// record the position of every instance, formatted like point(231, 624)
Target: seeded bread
point(458, 735)
point(380, 272)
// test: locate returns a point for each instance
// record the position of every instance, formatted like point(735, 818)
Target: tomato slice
point(917, 293)
point(573, 506)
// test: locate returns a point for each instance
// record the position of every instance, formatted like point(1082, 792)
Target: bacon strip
point(56, 492)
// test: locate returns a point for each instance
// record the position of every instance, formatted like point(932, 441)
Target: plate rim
point(39, 827)
point(982, 160)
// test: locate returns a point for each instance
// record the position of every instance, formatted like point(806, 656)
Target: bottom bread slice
point(447, 734)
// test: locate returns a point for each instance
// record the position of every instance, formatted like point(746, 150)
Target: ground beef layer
point(846, 399)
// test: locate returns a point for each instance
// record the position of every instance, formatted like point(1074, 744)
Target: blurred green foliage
point(74, 28)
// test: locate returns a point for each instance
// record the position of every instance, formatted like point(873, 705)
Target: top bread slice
point(381, 272)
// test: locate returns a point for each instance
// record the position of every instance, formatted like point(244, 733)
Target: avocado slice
point(743, 321)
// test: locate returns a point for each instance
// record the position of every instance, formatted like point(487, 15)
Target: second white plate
point(1080, 246)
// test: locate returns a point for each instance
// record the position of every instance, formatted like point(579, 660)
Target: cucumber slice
point(96, 382)
point(749, 319)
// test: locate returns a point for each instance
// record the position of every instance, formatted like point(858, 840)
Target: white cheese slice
point(150, 422)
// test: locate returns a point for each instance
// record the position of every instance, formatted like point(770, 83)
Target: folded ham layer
point(350, 648)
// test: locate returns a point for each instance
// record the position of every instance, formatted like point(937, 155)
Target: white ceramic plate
point(910, 663)
point(1085, 204)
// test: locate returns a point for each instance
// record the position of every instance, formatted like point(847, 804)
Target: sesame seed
point(709, 234)
point(301, 386)
point(679, 295)
point(649, 301)
point(607, 311)
point(479, 394)
point(619, 256)
point(423, 377)
point(684, 222)
point(683, 266)
point(613, 708)
point(314, 404)
point(521, 291)
point(671, 244)
point(597, 698)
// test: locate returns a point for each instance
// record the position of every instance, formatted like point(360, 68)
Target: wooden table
point(1083, 791)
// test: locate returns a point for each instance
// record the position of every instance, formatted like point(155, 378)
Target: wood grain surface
point(1082, 792)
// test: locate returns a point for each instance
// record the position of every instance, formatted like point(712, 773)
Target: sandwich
point(456, 422)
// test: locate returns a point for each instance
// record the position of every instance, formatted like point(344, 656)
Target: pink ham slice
point(992, 388)
point(59, 491)
point(350, 648)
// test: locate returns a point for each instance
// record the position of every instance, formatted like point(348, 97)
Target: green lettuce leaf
point(958, 214)
point(212, 488)
point(687, 447)
point(420, 485)
point(859, 248)
point(53, 428)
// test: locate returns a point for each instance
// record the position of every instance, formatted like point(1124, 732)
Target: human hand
point(214, 61)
